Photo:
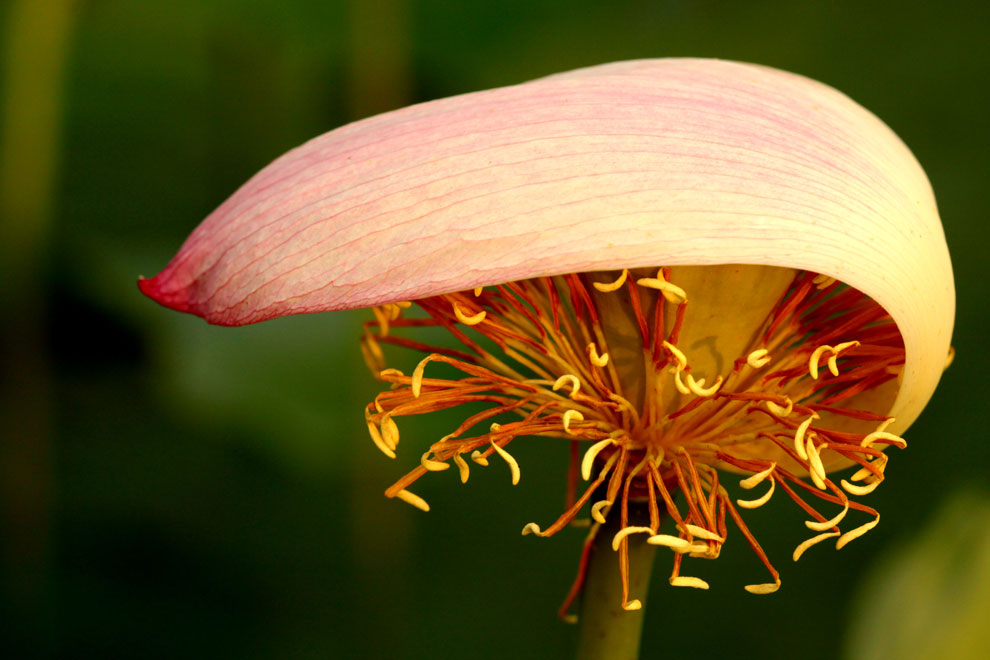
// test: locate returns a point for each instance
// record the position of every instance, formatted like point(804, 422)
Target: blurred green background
point(171, 489)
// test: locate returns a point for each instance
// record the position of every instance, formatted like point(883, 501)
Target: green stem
point(607, 630)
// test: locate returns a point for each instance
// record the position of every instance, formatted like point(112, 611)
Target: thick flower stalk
point(681, 268)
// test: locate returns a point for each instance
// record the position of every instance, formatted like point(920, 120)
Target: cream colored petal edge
point(675, 161)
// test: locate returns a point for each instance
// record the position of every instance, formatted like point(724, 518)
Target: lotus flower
point(683, 268)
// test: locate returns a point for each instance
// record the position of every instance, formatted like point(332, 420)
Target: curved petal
point(675, 162)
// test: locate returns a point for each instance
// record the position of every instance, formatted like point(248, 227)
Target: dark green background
point(172, 489)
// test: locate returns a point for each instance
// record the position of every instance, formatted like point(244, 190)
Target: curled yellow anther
point(596, 359)
point(390, 432)
point(626, 531)
point(570, 416)
point(479, 458)
point(804, 545)
point(632, 605)
point(678, 383)
point(895, 440)
point(755, 479)
point(599, 510)
point(698, 386)
point(855, 489)
point(671, 292)
point(767, 588)
point(589, 457)
point(474, 319)
point(532, 528)
point(781, 411)
point(677, 353)
point(828, 524)
point(568, 379)
point(411, 498)
point(675, 543)
point(513, 465)
point(815, 357)
point(478, 290)
point(685, 581)
point(431, 465)
point(759, 501)
point(817, 470)
point(833, 365)
point(701, 532)
point(799, 436)
point(462, 468)
point(823, 281)
point(606, 287)
point(417, 376)
point(758, 358)
point(856, 533)
point(376, 437)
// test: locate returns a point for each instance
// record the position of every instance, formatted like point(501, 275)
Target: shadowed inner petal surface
point(658, 378)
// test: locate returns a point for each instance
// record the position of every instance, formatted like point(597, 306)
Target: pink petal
point(677, 161)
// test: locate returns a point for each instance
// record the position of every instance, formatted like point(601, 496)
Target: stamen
point(697, 386)
point(479, 458)
point(413, 499)
point(676, 352)
point(431, 465)
point(462, 467)
point(632, 605)
point(823, 281)
point(532, 528)
point(798, 551)
point(855, 489)
point(569, 416)
point(513, 465)
point(817, 471)
point(589, 456)
point(376, 437)
point(685, 581)
point(822, 526)
point(596, 359)
point(606, 287)
point(856, 533)
point(675, 543)
point(876, 436)
point(599, 510)
point(799, 436)
point(767, 588)
point(672, 293)
point(758, 358)
point(417, 376)
point(760, 501)
point(474, 319)
point(833, 365)
point(756, 479)
point(390, 432)
point(702, 533)
point(568, 379)
point(778, 411)
point(478, 290)
point(815, 357)
point(626, 531)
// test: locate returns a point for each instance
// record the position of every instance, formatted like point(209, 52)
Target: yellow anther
point(474, 319)
point(431, 465)
point(758, 358)
point(479, 458)
point(823, 281)
point(570, 618)
point(596, 359)
point(815, 357)
point(599, 510)
point(855, 489)
point(626, 531)
point(382, 316)
point(478, 290)
point(856, 533)
point(568, 379)
point(671, 292)
point(462, 467)
point(376, 437)
point(676, 352)
point(698, 386)
point(685, 581)
point(760, 501)
point(895, 440)
point(799, 436)
point(632, 605)
point(513, 466)
point(675, 543)
point(781, 411)
point(701, 550)
point(879, 464)
point(589, 457)
point(403, 304)
point(390, 432)
point(701, 532)
point(798, 551)
point(571, 416)
point(833, 364)
point(828, 524)
point(389, 373)
point(413, 499)
point(417, 376)
point(817, 471)
point(755, 479)
point(532, 528)
point(612, 286)
point(767, 588)
point(678, 383)
point(495, 427)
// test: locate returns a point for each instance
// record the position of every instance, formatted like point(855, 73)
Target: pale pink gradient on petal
point(641, 163)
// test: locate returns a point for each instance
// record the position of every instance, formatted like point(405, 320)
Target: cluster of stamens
point(772, 416)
